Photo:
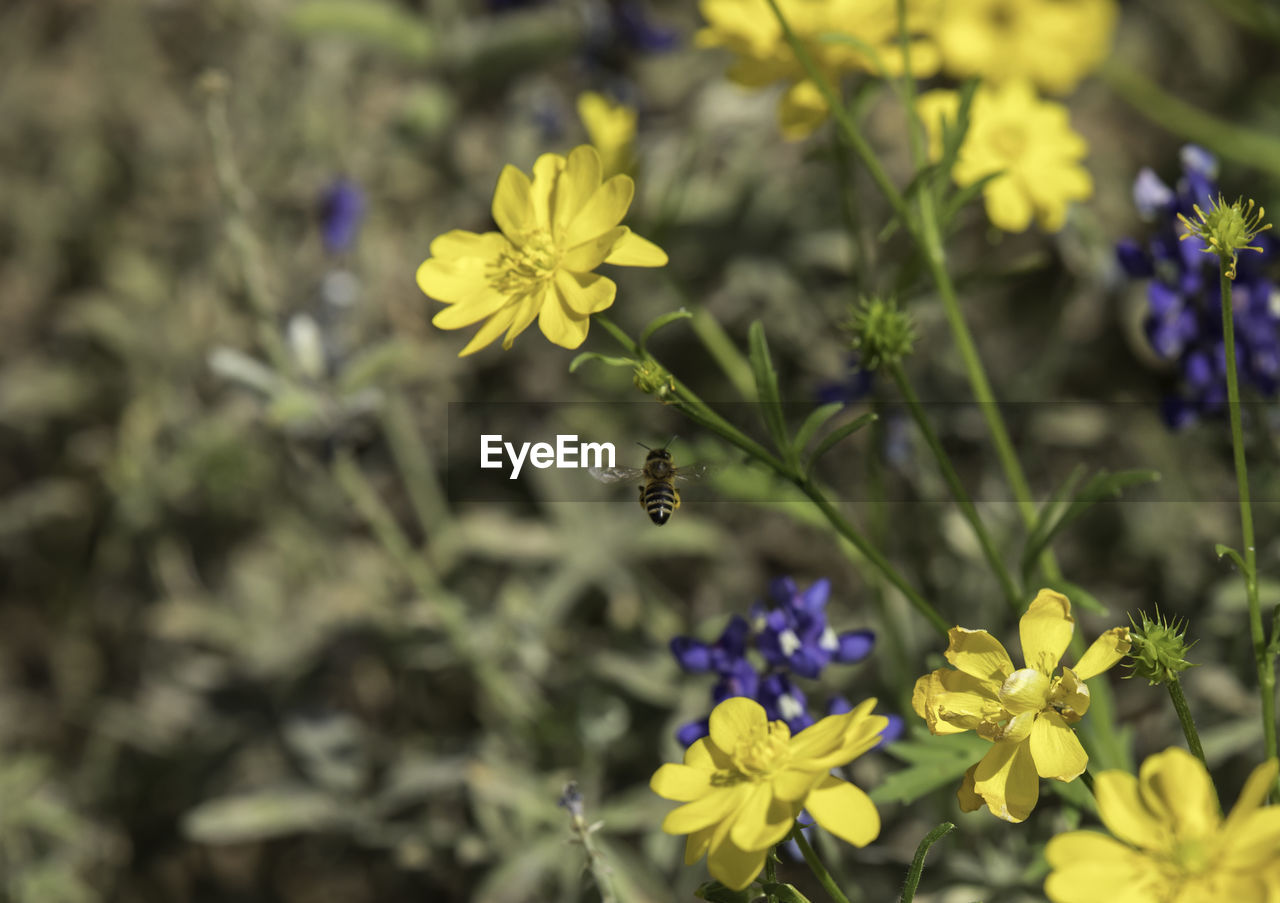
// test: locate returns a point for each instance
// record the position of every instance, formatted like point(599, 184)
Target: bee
point(659, 496)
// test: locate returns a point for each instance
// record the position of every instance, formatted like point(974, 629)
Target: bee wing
point(693, 472)
point(615, 474)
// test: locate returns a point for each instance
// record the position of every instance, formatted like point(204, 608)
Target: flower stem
point(1266, 673)
point(1184, 715)
point(815, 865)
point(958, 493)
point(917, 864)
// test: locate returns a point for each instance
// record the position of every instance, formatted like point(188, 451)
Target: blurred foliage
point(254, 642)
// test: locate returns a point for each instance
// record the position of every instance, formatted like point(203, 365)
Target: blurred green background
point(256, 644)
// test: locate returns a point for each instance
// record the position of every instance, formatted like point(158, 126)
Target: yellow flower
point(743, 786)
point(1027, 713)
point(1054, 43)
point(1171, 843)
point(556, 229)
point(1030, 141)
point(749, 29)
point(611, 128)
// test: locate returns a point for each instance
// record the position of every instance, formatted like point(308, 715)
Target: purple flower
point(853, 387)
point(341, 210)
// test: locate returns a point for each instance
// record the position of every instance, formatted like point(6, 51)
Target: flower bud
point(652, 379)
point(882, 334)
point(1158, 649)
point(1227, 229)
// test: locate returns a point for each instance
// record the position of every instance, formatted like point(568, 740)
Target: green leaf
point(961, 198)
point(767, 386)
point(374, 23)
point(1079, 596)
point(955, 130)
point(784, 893)
point(817, 417)
point(917, 864)
point(1055, 516)
point(934, 762)
point(835, 436)
point(715, 892)
point(664, 320)
point(1231, 553)
point(603, 358)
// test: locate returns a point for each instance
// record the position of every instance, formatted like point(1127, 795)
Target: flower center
point(1192, 856)
point(1008, 140)
point(1025, 690)
point(761, 754)
point(535, 259)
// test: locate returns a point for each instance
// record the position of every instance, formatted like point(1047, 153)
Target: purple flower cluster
point(1184, 319)
point(341, 210)
point(793, 638)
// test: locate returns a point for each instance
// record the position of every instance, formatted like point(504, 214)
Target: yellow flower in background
point(743, 786)
point(1026, 713)
point(612, 130)
point(1030, 141)
point(1053, 43)
point(556, 229)
point(749, 29)
point(1171, 844)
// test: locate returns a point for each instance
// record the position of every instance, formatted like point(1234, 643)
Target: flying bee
point(659, 496)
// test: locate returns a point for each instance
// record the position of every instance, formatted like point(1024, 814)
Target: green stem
point(1184, 715)
point(917, 864)
point(1088, 782)
point(1234, 142)
point(967, 508)
point(815, 865)
point(1266, 673)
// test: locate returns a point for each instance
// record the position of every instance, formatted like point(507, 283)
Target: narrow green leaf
point(935, 762)
point(659, 322)
point(767, 386)
point(1227, 551)
point(961, 198)
point(784, 893)
point(817, 417)
point(603, 358)
point(374, 23)
point(917, 864)
point(832, 438)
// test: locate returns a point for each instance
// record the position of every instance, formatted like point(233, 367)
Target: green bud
point(1227, 229)
point(1158, 649)
point(882, 334)
point(652, 378)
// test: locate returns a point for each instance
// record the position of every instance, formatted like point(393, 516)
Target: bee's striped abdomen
point(659, 499)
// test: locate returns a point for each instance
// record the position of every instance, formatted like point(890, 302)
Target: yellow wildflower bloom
point(1171, 843)
point(743, 786)
point(1054, 43)
point(749, 29)
point(611, 128)
point(1030, 141)
point(556, 229)
point(1026, 713)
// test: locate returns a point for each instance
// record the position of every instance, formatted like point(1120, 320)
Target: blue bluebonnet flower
point(341, 210)
point(1184, 317)
point(793, 638)
point(855, 386)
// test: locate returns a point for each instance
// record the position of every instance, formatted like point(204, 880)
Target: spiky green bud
point(882, 334)
point(652, 378)
point(1158, 649)
point(1227, 229)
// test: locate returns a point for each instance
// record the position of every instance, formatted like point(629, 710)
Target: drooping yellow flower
point(1053, 43)
point(1026, 713)
point(749, 29)
point(1029, 140)
point(1171, 844)
point(612, 130)
point(556, 229)
point(743, 786)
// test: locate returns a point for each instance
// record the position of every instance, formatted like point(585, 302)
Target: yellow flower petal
point(734, 867)
point(1254, 841)
point(513, 204)
point(489, 331)
point(794, 783)
point(1006, 780)
point(735, 719)
point(837, 735)
point(1070, 696)
point(601, 212)
point(574, 189)
point(1046, 630)
point(590, 254)
point(696, 846)
point(1055, 749)
point(457, 244)
point(955, 701)
point(1008, 206)
point(966, 796)
point(470, 310)
point(702, 754)
point(1122, 810)
point(1104, 652)
point(561, 325)
point(1176, 788)
point(1019, 727)
point(585, 293)
point(1090, 867)
point(547, 170)
point(682, 783)
point(706, 811)
point(1254, 792)
point(802, 110)
point(763, 820)
point(527, 307)
point(979, 654)
point(630, 250)
point(452, 281)
point(845, 811)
